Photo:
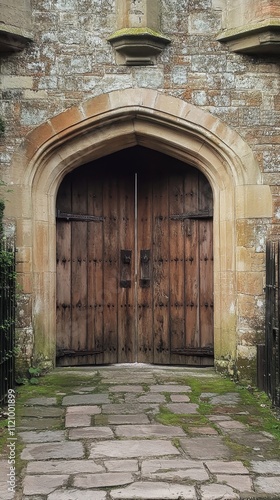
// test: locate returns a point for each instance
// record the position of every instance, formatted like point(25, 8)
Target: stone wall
point(70, 60)
point(242, 12)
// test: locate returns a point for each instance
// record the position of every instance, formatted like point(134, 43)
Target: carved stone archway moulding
point(106, 124)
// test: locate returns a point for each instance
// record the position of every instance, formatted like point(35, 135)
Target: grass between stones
point(54, 384)
point(59, 384)
point(239, 451)
point(166, 417)
point(254, 408)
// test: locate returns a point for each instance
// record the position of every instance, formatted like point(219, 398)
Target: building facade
point(140, 156)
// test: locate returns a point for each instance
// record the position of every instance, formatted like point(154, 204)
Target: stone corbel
point(138, 39)
point(260, 38)
point(13, 39)
point(16, 30)
point(137, 46)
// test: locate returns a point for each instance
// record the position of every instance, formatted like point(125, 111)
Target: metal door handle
point(126, 256)
point(145, 268)
point(125, 269)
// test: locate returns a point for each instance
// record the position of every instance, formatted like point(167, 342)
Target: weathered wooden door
point(135, 262)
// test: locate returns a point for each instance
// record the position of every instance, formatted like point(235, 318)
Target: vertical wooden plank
point(177, 267)
point(192, 265)
point(126, 291)
point(95, 269)
point(111, 252)
point(205, 195)
point(63, 275)
point(161, 270)
point(79, 266)
point(205, 203)
point(145, 327)
point(206, 285)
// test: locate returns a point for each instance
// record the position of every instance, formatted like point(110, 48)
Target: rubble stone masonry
point(70, 62)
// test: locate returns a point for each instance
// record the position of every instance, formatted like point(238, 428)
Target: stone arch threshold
point(111, 122)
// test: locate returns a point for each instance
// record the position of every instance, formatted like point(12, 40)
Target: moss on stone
point(249, 29)
point(137, 32)
point(247, 370)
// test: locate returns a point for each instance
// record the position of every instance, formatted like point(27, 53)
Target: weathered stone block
point(250, 283)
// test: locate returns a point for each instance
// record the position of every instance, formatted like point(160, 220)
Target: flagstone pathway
point(112, 447)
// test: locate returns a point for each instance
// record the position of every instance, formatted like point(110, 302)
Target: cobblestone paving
point(113, 447)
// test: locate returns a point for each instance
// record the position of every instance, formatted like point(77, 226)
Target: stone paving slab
point(86, 399)
point(230, 398)
point(124, 408)
point(121, 465)
point(127, 388)
point(105, 480)
point(4, 493)
point(179, 475)
point(77, 420)
point(218, 492)
point(91, 433)
point(43, 451)
point(159, 464)
point(174, 470)
point(41, 411)
point(239, 483)
point(230, 424)
point(43, 483)
point(182, 408)
point(43, 401)
point(76, 494)
point(203, 430)
point(269, 485)
point(179, 398)
point(42, 437)
point(82, 390)
point(132, 448)
point(152, 430)
point(206, 447)
point(83, 410)
point(170, 388)
point(152, 398)
point(154, 491)
point(222, 467)
point(251, 439)
point(218, 418)
point(38, 423)
point(266, 466)
point(128, 419)
point(64, 466)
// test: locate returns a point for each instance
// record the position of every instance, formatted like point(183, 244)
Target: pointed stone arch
point(111, 122)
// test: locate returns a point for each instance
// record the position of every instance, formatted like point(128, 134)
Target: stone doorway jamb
point(111, 122)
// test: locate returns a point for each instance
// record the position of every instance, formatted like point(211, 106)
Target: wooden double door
point(135, 262)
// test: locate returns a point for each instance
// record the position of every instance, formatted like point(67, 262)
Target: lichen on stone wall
point(71, 61)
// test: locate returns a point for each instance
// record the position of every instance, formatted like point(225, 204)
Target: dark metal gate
point(269, 352)
point(7, 320)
